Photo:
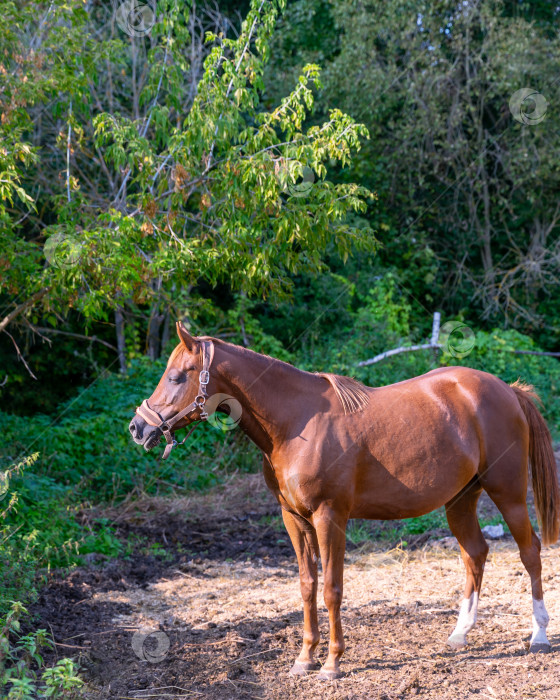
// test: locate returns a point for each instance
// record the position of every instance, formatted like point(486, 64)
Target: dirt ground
point(210, 607)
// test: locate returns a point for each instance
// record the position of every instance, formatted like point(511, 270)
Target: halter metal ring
point(204, 377)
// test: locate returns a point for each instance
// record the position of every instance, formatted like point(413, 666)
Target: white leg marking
point(465, 623)
point(540, 622)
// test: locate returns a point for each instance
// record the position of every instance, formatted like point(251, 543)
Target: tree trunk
point(165, 332)
point(153, 334)
point(121, 349)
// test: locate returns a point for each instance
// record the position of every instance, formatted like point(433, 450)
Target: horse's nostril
point(132, 429)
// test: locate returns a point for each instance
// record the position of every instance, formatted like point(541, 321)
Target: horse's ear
point(189, 341)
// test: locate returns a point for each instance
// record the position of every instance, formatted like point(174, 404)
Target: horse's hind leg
point(514, 509)
point(304, 540)
point(461, 516)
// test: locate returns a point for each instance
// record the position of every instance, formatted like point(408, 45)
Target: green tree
point(469, 207)
point(168, 170)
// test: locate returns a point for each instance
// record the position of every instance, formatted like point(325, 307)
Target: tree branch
point(397, 351)
point(20, 356)
point(533, 352)
point(91, 338)
point(21, 308)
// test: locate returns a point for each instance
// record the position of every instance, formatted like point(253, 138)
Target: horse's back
point(429, 436)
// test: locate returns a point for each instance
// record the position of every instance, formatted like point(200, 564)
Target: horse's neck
point(271, 393)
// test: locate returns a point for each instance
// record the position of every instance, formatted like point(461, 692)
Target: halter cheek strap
point(194, 411)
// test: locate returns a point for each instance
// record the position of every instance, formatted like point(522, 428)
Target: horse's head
point(180, 396)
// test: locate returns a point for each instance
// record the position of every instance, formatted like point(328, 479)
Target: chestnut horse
point(335, 449)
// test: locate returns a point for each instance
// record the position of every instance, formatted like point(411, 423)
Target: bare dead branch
point(20, 356)
point(432, 345)
point(79, 336)
point(397, 351)
point(532, 352)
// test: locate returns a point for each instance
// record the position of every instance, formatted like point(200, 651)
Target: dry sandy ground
point(220, 626)
point(399, 609)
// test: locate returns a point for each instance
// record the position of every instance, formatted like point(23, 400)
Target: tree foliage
point(468, 191)
point(209, 162)
point(159, 190)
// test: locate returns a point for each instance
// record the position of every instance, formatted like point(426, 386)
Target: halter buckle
point(204, 377)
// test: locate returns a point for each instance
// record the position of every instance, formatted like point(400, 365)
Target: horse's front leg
point(331, 534)
point(304, 539)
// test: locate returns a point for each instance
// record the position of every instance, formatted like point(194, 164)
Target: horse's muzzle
point(144, 434)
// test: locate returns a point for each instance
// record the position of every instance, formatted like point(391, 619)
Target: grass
point(274, 521)
point(155, 549)
point(391, 531)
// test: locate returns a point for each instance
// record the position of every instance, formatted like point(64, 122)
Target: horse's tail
point(543, 464)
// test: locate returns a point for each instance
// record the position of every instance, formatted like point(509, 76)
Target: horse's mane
point(350, 392)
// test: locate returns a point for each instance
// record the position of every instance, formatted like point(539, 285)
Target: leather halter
point(195, 409)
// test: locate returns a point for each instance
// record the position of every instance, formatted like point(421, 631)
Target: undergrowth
point(23, 675)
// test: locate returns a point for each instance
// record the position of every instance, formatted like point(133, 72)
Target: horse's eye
point(174, 378)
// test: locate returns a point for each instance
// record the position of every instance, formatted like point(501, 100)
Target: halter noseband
point(196, 407)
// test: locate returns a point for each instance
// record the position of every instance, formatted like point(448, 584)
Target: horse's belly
point(409, 508)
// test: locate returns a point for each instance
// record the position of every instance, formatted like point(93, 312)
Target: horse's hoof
point(301, 668)
point(540, 648)
point(325, 675)
point(457, 641)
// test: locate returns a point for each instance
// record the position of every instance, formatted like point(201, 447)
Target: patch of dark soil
point(64, 606)
point(66, 603)
point(214, 538)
